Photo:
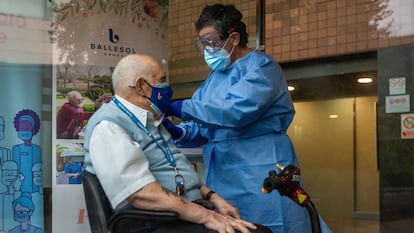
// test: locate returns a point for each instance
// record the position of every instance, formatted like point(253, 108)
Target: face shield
point(210, 42)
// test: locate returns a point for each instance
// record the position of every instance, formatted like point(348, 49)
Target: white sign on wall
point(397, 86)
point(397, 103)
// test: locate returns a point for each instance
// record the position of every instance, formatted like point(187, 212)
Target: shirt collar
point(143, 115)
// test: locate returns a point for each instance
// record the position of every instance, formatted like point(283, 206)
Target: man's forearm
point(155, 197)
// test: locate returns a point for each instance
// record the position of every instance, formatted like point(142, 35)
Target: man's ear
point(140, 85)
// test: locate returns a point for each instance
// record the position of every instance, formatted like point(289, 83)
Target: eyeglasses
point(21, 211)
point(37, 174)
point(162, 79)
point(210, 42)
point(9, 173)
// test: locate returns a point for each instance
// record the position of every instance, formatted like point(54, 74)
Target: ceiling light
point(333, 116)
point(365, 80)
point(291, 88)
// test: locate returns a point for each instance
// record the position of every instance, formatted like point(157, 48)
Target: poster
point(89, 38)
point(21, 172)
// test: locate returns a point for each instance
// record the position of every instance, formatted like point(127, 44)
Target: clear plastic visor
point(210, 42)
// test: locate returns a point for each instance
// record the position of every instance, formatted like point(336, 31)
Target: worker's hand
point(175, 109)
point(227, 224)
point(175, 131)
point(224, 207)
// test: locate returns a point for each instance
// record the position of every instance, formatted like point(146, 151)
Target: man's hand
point(155, 197)
point(224, 207)
point(226, 224)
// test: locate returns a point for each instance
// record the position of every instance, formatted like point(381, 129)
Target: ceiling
point(335, 86)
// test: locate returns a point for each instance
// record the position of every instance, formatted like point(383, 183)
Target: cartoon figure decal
point(4, 152)
point(23, 209)
point(21, 177)
point(27, 125)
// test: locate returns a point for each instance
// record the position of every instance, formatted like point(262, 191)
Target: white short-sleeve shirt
point(119, 162)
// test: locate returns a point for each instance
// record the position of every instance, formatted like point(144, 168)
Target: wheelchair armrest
point(145, 214)
point(140, 214)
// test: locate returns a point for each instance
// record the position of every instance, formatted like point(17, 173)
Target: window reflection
point(395, 18)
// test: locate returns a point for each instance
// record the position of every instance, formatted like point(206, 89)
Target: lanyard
point(179, 180)
point(164, 147)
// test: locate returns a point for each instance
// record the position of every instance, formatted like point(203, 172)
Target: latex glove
point(175, 131)
point(175, 109)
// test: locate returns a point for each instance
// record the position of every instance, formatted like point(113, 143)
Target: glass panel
point(32, 8)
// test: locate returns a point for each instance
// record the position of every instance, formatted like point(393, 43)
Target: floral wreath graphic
point(145, 13)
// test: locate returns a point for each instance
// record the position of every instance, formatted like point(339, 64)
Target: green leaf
point(92, 5)
point(77, 7)
point(103, 5)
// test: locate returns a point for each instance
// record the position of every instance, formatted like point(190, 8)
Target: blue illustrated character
point(37, 197)
point(5, 189)
point(23, 209)
point(11, 181)
point(27, 124)
point(11, 178)
point(5, 153)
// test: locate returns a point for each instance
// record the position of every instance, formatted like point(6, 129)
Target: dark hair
point(225, 19)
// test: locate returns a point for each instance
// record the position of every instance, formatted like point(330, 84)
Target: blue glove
point(175, 109)
point(175, 131)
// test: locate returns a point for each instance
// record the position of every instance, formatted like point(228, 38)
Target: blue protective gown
point(241, 114)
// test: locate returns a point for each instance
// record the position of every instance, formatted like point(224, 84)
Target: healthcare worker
point(241, 113)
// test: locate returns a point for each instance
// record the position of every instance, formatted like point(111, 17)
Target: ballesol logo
point(112, 49)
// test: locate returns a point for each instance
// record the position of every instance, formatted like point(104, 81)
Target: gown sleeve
point(192, 137)
point(246, 100)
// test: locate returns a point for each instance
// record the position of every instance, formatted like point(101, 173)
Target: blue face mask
point(161, 96)
point(21, 217)
point(220, 59)
point(25, 135)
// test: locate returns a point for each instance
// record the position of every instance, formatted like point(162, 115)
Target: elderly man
point(71, 116)
point(129, 150)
